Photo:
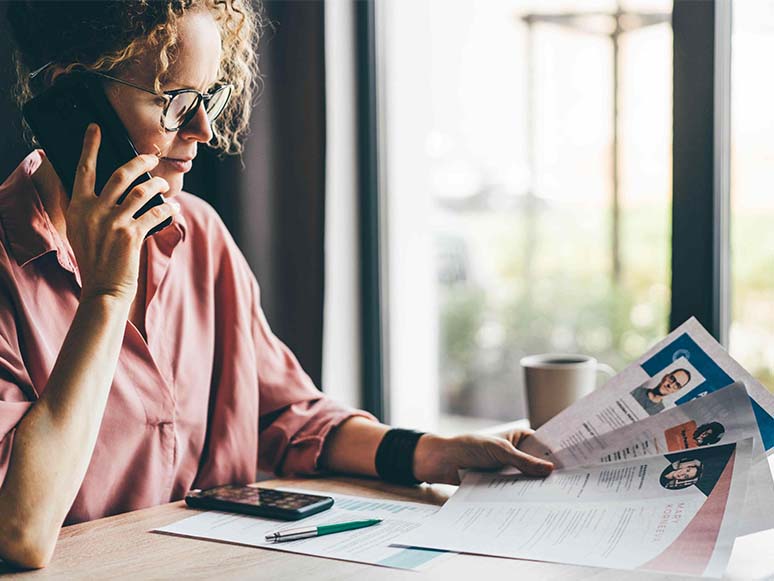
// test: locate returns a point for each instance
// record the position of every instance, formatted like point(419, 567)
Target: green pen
point(307, 532)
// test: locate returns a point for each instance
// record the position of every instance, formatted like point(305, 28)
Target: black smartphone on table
point(265, 502)
point(59, 117)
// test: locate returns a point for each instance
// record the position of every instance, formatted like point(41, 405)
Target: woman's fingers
point(517, 436)
point(157, 215)
point(105, 237)
point(438, 459)
point(123, 177)
point(508, 455)
point(86, 171)
point(139, 195)
point(119, 181)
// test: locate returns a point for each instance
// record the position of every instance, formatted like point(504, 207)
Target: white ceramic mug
point(555, 381)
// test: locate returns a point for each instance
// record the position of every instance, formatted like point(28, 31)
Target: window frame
point(701, 165)
point(700, 256)
point(374, 396)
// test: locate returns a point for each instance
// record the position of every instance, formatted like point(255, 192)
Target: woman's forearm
point(54, 442)
point(351, 448)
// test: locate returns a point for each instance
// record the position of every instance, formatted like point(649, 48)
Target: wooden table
point(121, 547)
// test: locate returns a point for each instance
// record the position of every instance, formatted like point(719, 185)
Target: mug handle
point(605, 369)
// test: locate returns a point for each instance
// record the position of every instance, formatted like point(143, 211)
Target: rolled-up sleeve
point(295, 417)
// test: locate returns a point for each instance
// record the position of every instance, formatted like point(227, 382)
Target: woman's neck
point(52, 195)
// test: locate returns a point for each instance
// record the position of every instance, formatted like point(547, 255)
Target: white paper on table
point(368, 545)
point(616, 515)
point(612, 406)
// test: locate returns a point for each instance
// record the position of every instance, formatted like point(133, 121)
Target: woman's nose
point(199, 127)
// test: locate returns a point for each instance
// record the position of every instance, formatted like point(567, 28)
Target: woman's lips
point(178, 164)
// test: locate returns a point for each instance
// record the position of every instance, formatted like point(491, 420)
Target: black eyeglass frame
point(167, 96)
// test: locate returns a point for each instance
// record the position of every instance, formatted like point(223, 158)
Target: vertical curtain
point(274, 205)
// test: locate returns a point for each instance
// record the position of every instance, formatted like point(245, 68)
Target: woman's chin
point(175, 181)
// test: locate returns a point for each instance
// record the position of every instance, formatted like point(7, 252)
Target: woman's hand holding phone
point(104, 236)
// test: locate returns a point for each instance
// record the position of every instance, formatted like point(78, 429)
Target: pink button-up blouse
point(188, 407)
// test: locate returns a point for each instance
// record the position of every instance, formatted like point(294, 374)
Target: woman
point(134, 369)
point(681, 474)
point(709, 434)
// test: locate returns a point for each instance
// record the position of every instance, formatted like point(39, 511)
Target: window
point(526, 156)
point(752, 198)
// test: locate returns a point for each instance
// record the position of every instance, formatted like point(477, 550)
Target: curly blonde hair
point(110, 36)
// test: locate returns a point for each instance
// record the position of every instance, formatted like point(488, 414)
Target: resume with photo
point(675, 513)
point(724, 416)
point(685, 366)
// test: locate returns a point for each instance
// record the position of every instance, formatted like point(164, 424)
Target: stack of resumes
point(641, 483)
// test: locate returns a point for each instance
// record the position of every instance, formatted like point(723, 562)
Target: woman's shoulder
point(206, 232)
point(197, 211)
point(201, 221)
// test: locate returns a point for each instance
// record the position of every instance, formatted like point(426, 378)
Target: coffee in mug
point(554, 381)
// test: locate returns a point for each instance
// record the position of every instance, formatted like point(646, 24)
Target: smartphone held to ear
point(59, 117)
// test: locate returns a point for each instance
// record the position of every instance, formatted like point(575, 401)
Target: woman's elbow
point(24, 552)
point(29, 558)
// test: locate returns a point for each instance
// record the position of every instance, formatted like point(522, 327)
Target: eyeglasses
point(180, 105)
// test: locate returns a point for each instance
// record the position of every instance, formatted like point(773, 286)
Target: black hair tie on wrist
point(395, 456)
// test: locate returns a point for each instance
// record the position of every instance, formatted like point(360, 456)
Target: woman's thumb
point(527, 463)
